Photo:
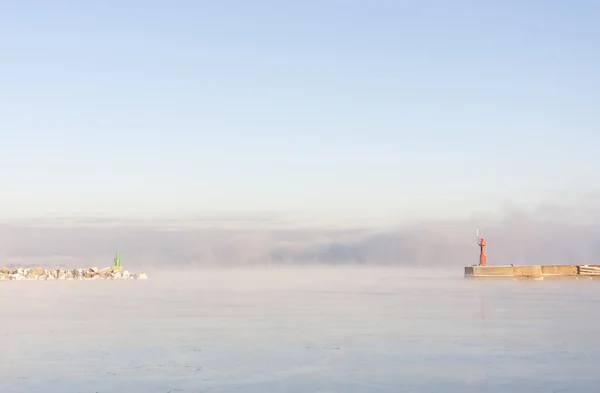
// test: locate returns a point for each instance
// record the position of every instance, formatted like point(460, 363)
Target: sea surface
point(311, 329)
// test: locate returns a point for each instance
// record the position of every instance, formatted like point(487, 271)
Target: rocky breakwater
point(93, 273)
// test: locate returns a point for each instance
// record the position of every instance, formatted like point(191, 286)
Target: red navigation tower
point(482, 251)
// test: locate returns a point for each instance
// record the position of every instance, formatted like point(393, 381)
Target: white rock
point(142, 276)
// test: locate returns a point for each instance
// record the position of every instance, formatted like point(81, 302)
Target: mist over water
point(564, 231)
point(273, 305)
point(299, 329)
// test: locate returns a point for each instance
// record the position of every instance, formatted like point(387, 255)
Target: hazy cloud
point(564, 231)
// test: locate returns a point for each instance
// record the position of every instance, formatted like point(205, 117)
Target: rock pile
point(38, 273)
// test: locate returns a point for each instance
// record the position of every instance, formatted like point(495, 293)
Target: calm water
point(299, 330)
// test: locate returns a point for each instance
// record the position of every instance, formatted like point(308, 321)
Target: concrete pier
point(539, 272)
point(534, 272)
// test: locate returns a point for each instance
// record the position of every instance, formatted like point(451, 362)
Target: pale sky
point(332, 108)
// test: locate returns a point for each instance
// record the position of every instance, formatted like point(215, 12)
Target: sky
point(383, 110)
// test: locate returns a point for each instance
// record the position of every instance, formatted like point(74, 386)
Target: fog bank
point(552, 233)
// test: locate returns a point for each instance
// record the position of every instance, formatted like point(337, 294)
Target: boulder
point(105, 273)
point(61, 274)
point(38, 271)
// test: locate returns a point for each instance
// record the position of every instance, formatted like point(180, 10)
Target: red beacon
point(482, 257)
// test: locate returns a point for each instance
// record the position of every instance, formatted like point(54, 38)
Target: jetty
point(539, 272)
point(535, 272)
point(115, 272)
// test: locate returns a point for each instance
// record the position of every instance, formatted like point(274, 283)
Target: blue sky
point(381, 109)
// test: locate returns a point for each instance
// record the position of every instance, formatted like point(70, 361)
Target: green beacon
point(117, 260)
